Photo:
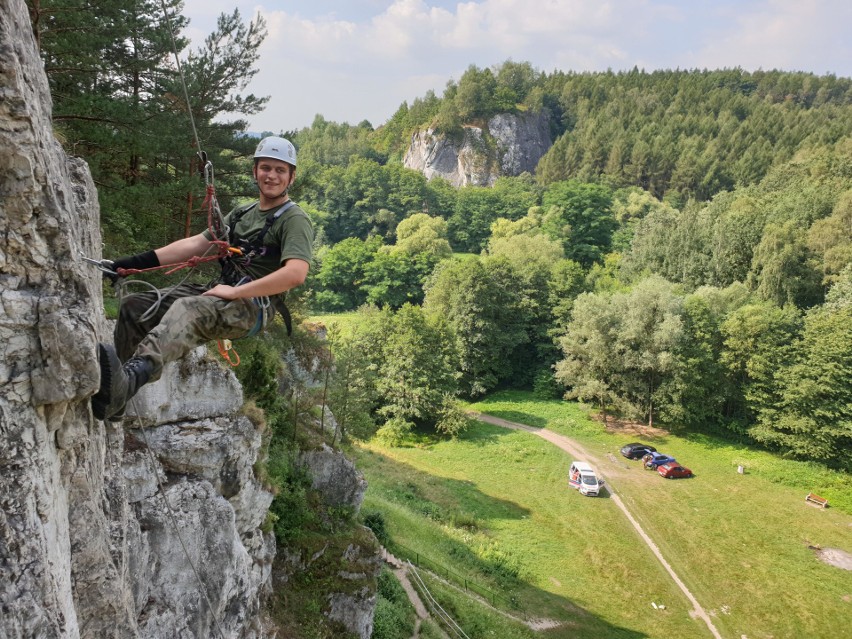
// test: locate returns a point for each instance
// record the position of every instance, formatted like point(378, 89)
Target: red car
point(673, 471)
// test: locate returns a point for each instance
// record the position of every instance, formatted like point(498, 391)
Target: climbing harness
point(243, 251)
point(247, 250)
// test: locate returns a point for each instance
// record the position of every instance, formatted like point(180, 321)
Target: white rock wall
point(88, 546)
point(518, 142)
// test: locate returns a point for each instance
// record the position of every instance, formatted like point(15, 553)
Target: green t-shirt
point(291, 236)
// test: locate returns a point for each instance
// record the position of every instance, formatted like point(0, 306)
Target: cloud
point(361, 60)
point(810, 35)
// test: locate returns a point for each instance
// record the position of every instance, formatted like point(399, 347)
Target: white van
point(582, 477)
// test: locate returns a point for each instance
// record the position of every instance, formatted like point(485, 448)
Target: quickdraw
point(228, 352)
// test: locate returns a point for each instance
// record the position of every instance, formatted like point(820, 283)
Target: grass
point(473, 617)
point(494, 506)
point(395, 615)
point(571, 420)
point(529, 523)
point(342, 321)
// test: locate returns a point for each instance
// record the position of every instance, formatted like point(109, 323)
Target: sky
point(358, 60)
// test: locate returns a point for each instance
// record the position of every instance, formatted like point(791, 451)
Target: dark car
point(653, 460)
point(673, 471)
point(637, 450)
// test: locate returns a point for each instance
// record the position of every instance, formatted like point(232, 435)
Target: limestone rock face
point(190, 390)
point(171, 599)
point(510, 145)
point(522, 140)
point(335, 477)
point(220, 450)
point(52, 457)
point(147, 530)
point(354, 608)
point(101, 537)
point(354, 611)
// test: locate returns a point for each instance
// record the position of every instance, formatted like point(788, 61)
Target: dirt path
point(578, 452)
point(401, 572)
point(414, 598)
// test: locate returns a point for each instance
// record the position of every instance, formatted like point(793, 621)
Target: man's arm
point(291, 275)
point(182, 250)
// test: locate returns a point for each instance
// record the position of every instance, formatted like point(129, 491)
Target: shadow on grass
point(478, 564)
point(602, 494)
point(483, 434)
point(439, 499)
point(718, 440)
point(519, 417)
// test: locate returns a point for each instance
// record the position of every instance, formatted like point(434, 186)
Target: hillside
point(670, 248)
point(678, 134)
point(493, 507)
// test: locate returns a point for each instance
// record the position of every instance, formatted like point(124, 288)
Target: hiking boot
point(119, 382)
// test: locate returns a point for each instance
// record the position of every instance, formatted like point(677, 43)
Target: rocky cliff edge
point(111, 531)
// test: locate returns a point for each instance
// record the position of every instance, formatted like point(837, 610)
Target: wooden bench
point(816, 499)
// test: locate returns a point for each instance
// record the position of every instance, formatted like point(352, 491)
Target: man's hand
point(108, 269)
point(223, 291)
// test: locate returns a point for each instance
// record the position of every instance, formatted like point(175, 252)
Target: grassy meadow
point(340, 322)
point(494, 507)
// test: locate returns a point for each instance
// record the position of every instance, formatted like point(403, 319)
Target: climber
point(271, 242)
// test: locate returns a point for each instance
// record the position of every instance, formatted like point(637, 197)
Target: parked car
point(673, 470)
point(653, 460)
point(582, 477)
point(637, 450)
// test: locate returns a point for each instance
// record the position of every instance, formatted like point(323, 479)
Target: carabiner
point(99, 264)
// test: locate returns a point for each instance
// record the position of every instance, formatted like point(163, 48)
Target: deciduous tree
point(813, 419)
point(590, 346)
point(418, 366)
point(580, 216)
point(757, 342)
point(482, 304)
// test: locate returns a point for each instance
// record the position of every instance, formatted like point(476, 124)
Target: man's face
point(272, 176)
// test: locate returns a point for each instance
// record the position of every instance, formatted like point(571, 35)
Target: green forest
point(682, 254)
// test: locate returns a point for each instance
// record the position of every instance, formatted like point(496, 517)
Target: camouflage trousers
point(182, 320)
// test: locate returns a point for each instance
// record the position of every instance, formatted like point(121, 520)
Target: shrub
point(545, 386)
point(375, 521)
point(452, 420)
point(395, 432)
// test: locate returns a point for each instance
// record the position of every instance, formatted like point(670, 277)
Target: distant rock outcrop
point(510, 145)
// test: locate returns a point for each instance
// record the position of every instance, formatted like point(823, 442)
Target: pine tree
point(119, 103)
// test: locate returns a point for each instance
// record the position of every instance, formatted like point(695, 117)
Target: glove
point(140, 261)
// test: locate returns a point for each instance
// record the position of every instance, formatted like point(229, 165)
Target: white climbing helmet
point(276, 148)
